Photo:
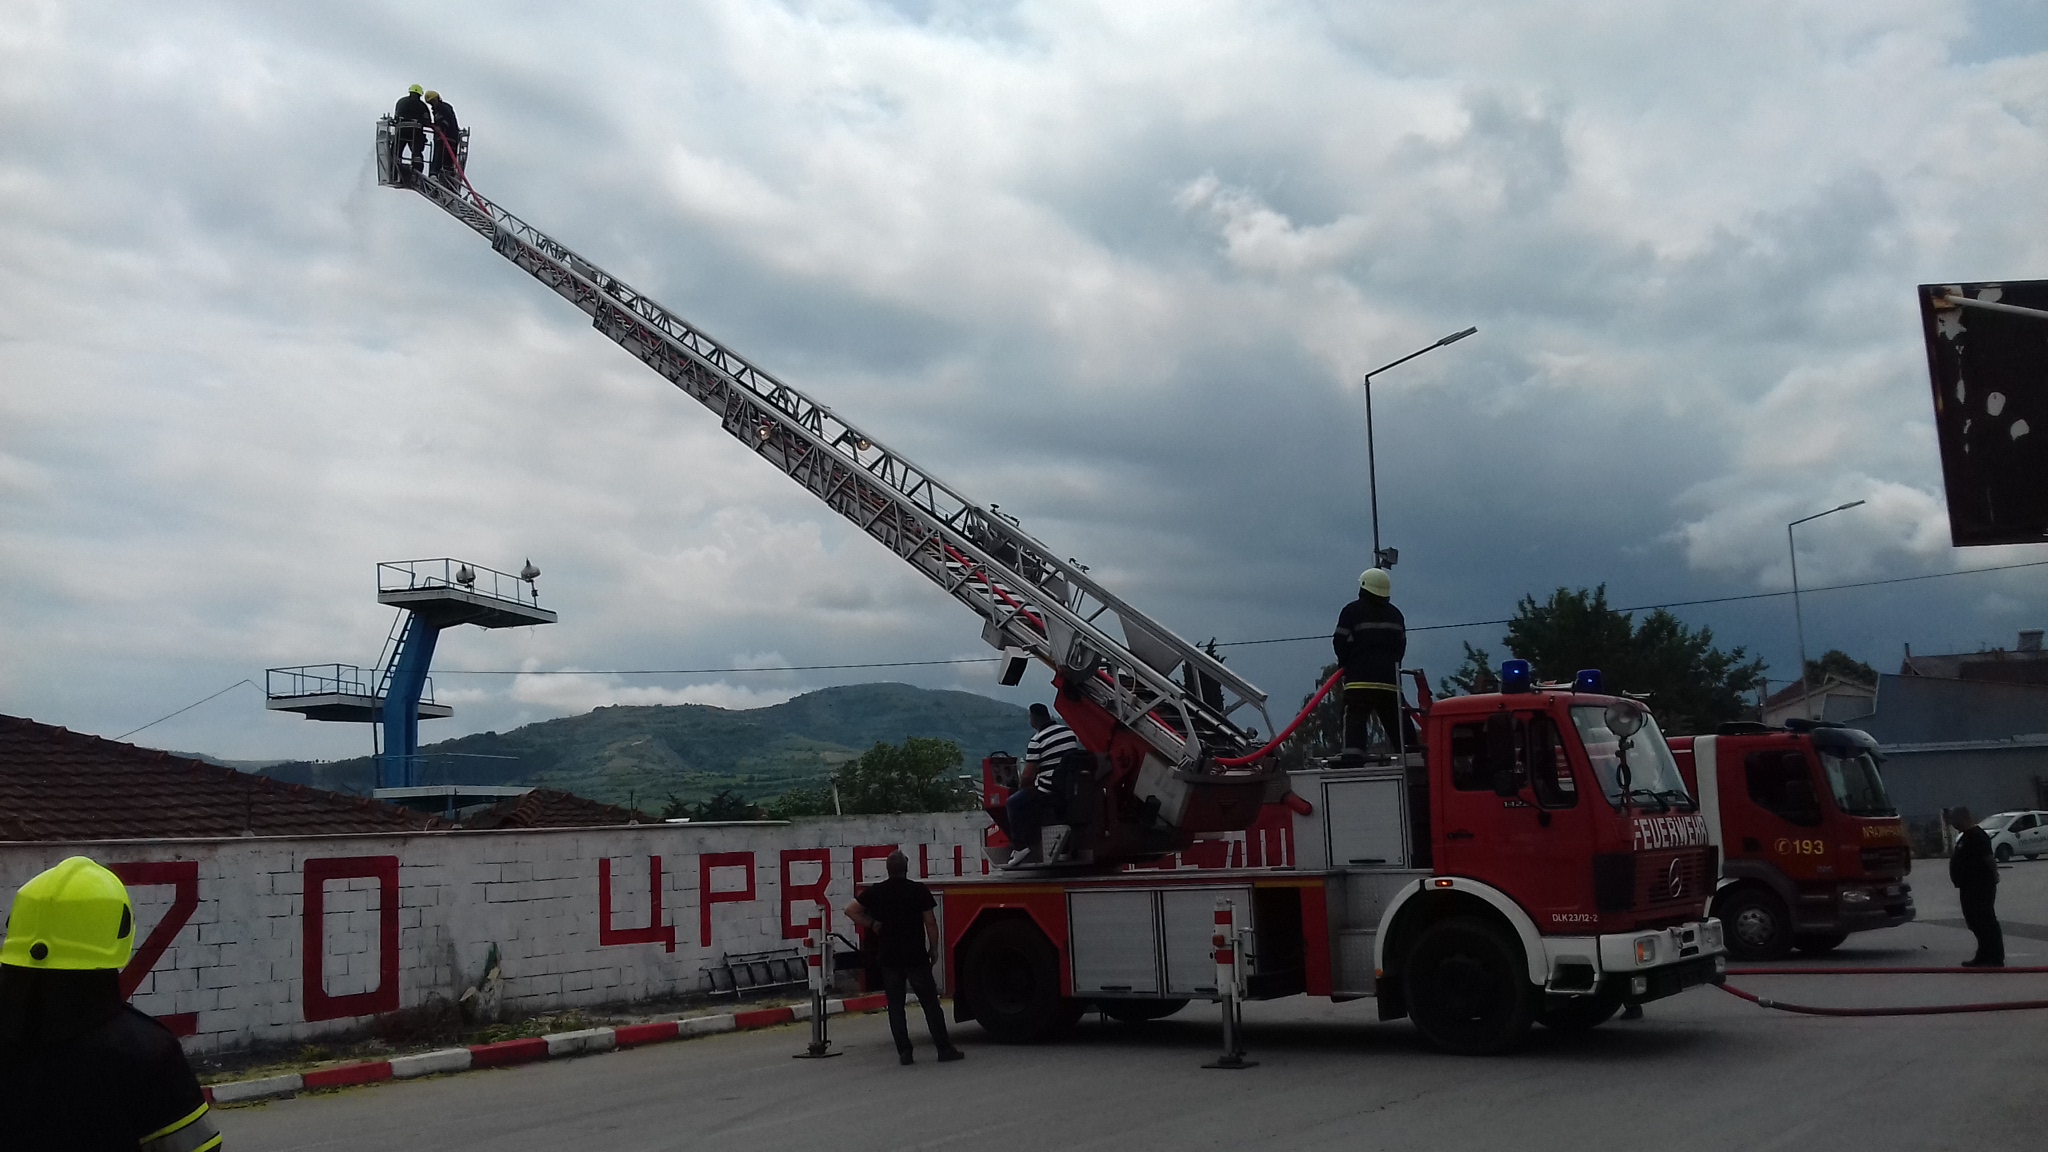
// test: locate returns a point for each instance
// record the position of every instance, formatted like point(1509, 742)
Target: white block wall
point(235, 969)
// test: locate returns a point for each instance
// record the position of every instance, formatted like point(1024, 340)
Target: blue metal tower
point(431, 595)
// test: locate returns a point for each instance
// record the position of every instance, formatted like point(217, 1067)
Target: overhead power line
point(186, 708)
point(708, 671)
point(1221, 644)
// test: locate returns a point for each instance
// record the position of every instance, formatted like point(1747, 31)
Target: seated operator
point(1037, 794)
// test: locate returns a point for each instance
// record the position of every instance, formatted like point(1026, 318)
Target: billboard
point(1989, 369)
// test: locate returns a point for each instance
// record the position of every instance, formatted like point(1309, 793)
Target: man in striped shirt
point(1038, 783)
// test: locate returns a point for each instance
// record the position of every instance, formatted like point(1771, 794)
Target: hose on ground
point(1917, 1010)
point(1884, 971)
point(1261, 754)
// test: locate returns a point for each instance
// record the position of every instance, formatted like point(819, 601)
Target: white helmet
point(1376, 581)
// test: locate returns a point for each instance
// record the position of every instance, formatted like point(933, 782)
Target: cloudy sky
point(1116, 267)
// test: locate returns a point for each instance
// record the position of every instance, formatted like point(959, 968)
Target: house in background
point(1833, 699)
point(2025, 664)
point(56, 784)
point(1962, 729)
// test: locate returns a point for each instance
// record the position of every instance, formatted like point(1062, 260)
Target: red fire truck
point(1538, 860)
point(1811, 847)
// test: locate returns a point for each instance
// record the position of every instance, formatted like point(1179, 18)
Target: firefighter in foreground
point(80, 1070)
point(1370, 640)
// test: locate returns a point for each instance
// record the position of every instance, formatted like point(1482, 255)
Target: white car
point(2017, 834)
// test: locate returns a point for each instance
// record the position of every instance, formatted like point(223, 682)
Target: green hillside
point(644, 754)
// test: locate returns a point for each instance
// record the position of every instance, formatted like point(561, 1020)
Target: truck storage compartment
point(1115, 943)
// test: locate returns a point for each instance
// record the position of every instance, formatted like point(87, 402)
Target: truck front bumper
point(1637, 967)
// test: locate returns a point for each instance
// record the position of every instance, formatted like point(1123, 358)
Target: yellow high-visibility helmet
point(1376, 581)
point(433, 95)
point(415, 89)
point(75, 917)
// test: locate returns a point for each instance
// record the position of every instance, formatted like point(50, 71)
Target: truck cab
point(1811, 847)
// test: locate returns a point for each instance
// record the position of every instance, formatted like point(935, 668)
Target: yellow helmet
point(433, 95)
point(1376, 581)
point(415, 89)
point(75, 917)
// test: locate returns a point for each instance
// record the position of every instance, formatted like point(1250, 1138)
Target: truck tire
point(1818, 943)
point(1140, 1011)
point(1468, 989)
point(1013, 983)
point(1580, 1013)
point(1759, 928)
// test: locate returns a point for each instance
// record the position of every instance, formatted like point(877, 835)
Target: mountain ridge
point(641, 754)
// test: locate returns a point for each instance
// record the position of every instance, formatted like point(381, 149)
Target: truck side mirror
point(1500, 755)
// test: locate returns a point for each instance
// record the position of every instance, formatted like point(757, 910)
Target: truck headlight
point(1710, 935)
point(1646, 950)
point(1855, 895)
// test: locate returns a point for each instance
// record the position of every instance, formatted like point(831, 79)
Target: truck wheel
point(1140, 1011)
point(1580, 1013)
point(1818, 943)
point(2004, 853)
point(1758, 927)
point(1467, 989)
point(1013, 983)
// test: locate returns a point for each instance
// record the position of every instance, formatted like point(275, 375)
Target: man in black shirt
point(898, 915)
point(1974, 871)
point(81, 1070)
point(447, 140)
point(411, 117)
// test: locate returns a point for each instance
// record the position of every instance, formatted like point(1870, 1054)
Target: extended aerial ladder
point(1163, 713)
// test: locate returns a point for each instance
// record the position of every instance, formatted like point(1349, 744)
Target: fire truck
point(1811, 847)
point(1535, 858)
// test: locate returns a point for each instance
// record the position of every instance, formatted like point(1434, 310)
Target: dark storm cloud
point(1116, 268)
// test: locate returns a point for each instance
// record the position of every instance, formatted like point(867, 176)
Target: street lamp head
point(1454, 337)
point(1849, 505)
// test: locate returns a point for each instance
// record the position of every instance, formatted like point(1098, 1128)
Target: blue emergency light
point(1516, 676)
point(1588, 680)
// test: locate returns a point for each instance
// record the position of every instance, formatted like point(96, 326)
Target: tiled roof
point(62, 785)
point(546, 808)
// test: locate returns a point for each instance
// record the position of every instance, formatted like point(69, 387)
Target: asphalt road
point(1702, 1071)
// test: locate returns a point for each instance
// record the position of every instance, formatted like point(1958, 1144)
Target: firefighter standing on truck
point(80, 1070)
point(1370, 640)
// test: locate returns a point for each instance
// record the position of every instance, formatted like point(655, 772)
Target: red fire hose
point(1261, 754)
point(1921, 1010)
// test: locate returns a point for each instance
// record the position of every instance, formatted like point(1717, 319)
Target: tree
point(1322, 733)
point(1837, 663)
point(1691, 685)
point(1474, 676)
point(919, 775)
point(726, 805)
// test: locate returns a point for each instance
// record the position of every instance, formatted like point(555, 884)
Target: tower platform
point(341, 693)
point(445, 592)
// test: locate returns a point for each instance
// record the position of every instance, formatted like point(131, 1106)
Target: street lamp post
point(1799, 621)
point(1380, 556)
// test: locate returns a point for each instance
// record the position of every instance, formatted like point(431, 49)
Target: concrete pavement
point(1703, 1071)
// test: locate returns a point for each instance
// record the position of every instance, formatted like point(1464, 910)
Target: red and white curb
point(507, 1052)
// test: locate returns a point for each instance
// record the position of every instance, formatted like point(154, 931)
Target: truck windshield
point(1654, 781)
point(1859, 790)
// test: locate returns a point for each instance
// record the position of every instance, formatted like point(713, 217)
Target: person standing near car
point(1974, 871)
